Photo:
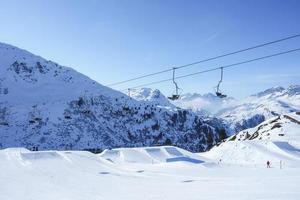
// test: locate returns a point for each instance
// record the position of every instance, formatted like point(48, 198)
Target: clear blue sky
point(111, 40)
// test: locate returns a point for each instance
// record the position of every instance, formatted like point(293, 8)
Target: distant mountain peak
point(150, 95)
point(293, 90)
point(269, 91)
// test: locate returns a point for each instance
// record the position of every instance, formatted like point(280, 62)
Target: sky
point(115, 40)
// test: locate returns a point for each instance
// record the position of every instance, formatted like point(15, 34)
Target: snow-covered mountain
point(207, 104)
point(150, 96)
point(281, 128)
point(262, 106)
point(276, 140)
point(54, 107)
point(238, 115)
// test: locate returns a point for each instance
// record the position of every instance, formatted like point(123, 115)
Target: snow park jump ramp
point(83, 160)
point(151, 155)
point(129, 174)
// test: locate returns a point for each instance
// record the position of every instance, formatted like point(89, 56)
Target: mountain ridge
point(276, 140)
point(245, 113)
point(54, 107)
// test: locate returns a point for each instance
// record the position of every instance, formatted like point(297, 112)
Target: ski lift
point(218, 92)
point(129, 90)
point(176, 95)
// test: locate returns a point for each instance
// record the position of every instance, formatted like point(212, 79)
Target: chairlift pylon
point(176, 95)
point(218, 92)
point(129, 90)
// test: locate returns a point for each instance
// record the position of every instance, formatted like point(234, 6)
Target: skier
point(268, 164)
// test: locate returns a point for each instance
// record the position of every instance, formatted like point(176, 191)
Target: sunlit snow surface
point(139, 173)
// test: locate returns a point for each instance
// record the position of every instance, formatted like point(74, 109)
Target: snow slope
point(54, 107)
point(37, 80)
point(277, 140)
point(80, 175)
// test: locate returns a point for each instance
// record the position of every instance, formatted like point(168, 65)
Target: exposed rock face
point(53, 107)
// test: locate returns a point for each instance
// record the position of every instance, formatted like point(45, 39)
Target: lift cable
point(206, 60)
point(217, 68)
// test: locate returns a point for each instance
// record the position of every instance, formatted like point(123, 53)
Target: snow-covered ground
point(138, 173)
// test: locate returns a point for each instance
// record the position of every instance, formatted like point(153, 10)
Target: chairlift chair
point(176, 95)
point(218, 92)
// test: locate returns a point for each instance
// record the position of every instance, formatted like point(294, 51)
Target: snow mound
point(79, 160)
point(40, 155)
point(151, 155)
point(83, 175)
